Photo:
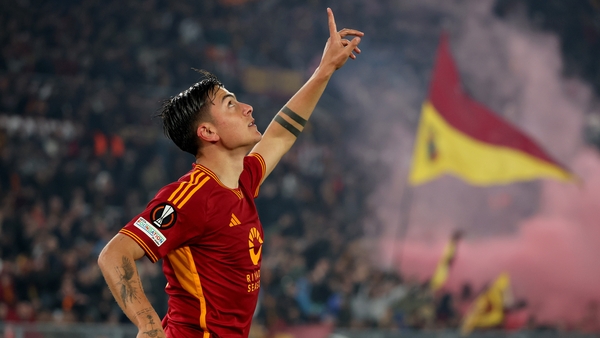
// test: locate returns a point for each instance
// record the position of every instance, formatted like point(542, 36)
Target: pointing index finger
point(332, 28)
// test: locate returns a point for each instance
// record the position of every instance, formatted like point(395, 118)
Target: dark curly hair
point(182, 114)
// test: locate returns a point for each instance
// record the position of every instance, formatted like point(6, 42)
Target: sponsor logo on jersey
point(253, 237)
point(163, 216)
point(234, 221)
point(150, 231)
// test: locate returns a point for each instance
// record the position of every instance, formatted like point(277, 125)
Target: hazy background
point(543, 233)
point(347, 242)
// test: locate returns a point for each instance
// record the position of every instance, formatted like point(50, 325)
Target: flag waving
point(443, 268)
point(460, 136)
point(487, 311)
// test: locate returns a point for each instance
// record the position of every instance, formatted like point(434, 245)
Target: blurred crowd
point(81, 155)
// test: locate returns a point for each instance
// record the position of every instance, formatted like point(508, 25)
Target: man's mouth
point(251, 124)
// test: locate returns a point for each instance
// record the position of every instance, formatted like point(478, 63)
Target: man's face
point(233, 121)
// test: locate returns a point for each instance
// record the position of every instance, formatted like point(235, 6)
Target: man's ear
point(207, 132)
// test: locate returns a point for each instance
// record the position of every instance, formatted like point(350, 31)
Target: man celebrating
point(205, 226)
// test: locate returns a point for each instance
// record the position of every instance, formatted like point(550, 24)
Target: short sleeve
point(174, 217)
point(254, 171)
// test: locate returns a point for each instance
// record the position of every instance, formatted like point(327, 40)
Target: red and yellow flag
point(440, 275)
point(487, 311)
point(460, 136)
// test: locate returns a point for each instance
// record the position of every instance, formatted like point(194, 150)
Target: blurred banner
point(440, 276)
point(460, 136)
point(487, 311)
point(278, 82)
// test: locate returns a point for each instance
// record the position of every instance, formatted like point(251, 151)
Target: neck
point(226, 164)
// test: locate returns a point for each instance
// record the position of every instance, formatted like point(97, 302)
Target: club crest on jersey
point(163, 216)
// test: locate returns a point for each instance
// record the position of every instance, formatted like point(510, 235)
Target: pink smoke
point(554, 259)
point(550, 247)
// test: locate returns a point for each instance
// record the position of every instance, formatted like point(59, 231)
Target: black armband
point(299, 119)
point(287, 125)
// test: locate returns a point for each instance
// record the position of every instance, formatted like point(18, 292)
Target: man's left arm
point(291, 119)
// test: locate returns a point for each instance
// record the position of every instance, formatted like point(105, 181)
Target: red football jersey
point(211, 240)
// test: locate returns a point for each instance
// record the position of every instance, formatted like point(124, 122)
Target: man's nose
point(248, 109)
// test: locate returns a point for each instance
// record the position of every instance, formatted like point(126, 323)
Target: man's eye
point(231, 104)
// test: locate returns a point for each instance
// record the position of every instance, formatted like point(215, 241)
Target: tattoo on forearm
point(152, 332)
point(144, 312)
point(127, 288)
point(287, 125)
point(147, 315)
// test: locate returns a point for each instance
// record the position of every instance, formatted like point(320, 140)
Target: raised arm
point(117, 262)
point(290, 120)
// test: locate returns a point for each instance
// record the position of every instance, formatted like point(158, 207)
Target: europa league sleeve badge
point(163, 216)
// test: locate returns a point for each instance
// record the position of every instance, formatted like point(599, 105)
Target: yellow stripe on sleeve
point(263, 166)
point(181, 185)
point(187, 188)
point(141, 243)
point(192, 192)
point(261, 160)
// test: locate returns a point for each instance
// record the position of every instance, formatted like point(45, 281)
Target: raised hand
point(338, 49)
